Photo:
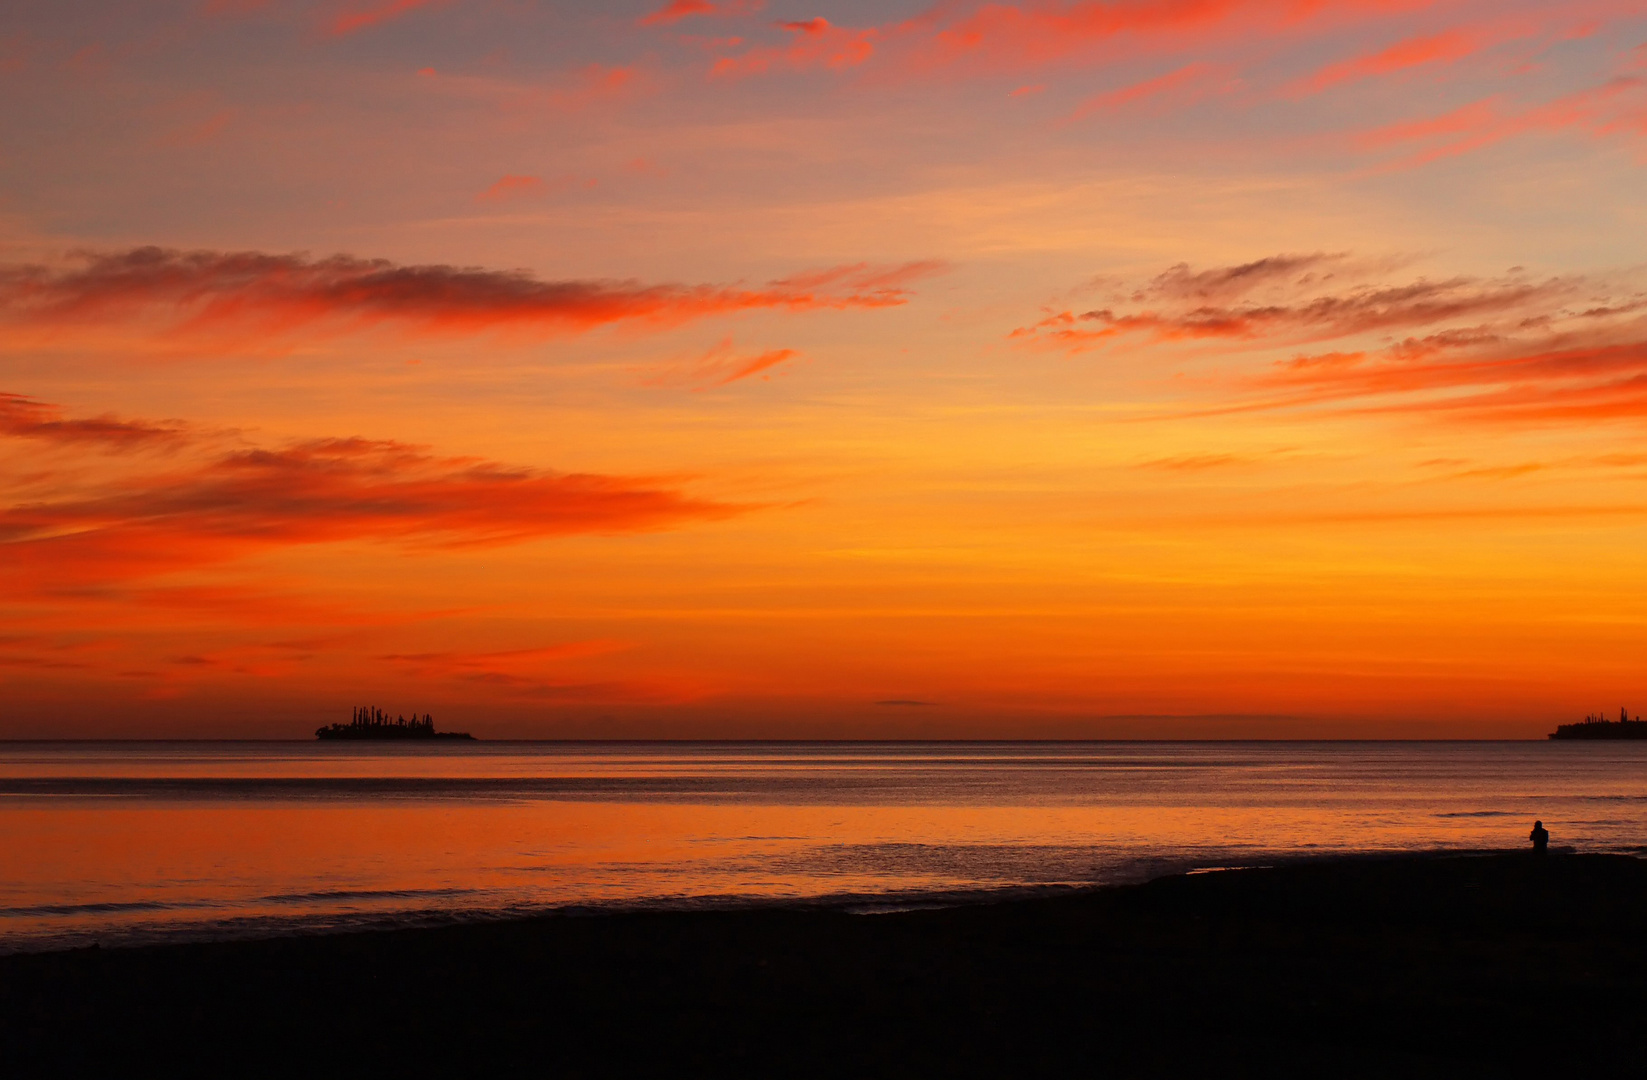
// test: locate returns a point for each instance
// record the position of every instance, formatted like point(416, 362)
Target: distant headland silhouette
point(1597, 726)
point(372, 723)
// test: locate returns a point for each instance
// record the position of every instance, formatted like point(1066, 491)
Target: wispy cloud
point(722, 364)
point(1617, 107)
point(1186, 304)
point(218, 505)
point(676, 10)
point(513, 187)
point(224, 293)
point(24, 417)
point(1510, 349)
point(1508, 382)
point(1205, 52)
point(995, 38)
point(814, 42)
point(1445, 47)
point(357, 18)
point(1188, 83)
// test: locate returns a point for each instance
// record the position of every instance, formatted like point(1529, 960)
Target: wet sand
point(1497, 964)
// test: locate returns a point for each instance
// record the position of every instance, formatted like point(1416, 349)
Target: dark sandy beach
point(1484, 965)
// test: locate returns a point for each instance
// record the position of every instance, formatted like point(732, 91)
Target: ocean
point(121, 843)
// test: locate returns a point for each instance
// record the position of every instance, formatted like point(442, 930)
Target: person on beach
point(1540, 837)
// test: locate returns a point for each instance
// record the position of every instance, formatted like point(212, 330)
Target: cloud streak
point(219, 293)
point(1511, 349)
point(814, 43)
point(1445, 47)
point(512, 187)
point(1614, 108)
point(1186, 84)
point(721, 365)
point(1517, 383)
point(676, 10)
point(1183, 304)
point(223, 505)
point(360, 18)
point(24, 417)
point(995, 38)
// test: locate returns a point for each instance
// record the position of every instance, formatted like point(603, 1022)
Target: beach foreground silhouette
point(1347, 966)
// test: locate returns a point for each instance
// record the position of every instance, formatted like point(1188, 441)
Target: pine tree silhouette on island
point(374, 723)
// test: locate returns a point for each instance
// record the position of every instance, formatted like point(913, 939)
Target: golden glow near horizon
point(1178, 368)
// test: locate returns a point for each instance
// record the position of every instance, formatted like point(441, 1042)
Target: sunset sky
point(1181, 368)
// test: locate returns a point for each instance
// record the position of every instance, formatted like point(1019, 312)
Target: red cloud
point(1519, 382)
point(512, 187)
point(224, 505)
point(1413, 52)
point(676, 10)
point(754, 365)
point(1007, 37)
point(817, 43)
point(1187, 83)
point(720, 366)
point(994, 37)
point(360, 18)
point(1618, 106)
point(1403, 369)
point(23, 417)
point(594, 83)
point(206, 292)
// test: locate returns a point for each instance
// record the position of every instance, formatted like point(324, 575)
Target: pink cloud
point(511, 188)
point(1617, 107)
point(676, 10)
point(204, 131)
point(994, 38)
point(1189, 83)
point(722, 365)
point(595, 83)
point(1444, 47)
point(355, 19)
point(817, 43)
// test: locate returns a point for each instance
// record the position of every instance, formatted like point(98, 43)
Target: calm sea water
point(132, 841)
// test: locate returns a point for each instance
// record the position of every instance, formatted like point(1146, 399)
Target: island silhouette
point(374, 723)
point(1596, 726)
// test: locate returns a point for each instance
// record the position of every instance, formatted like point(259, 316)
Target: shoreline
point(1435, 961)
point(241, 929)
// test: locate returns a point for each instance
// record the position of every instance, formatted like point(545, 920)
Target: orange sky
point(1173, 368)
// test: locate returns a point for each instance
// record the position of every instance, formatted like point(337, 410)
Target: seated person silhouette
point(1540, 837)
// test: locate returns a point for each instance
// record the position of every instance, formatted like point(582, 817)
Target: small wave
point(364, 894)
point(1225, 869)
point(106, 908)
